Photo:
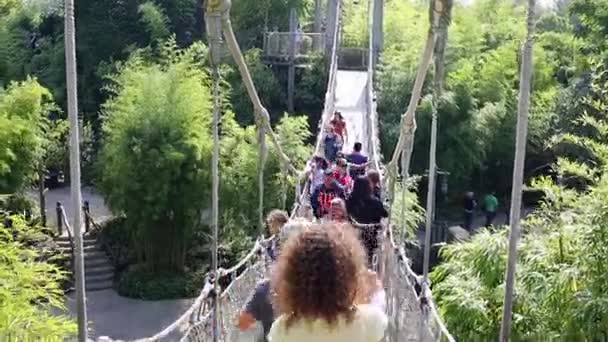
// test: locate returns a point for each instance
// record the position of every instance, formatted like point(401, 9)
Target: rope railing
point(68, 228)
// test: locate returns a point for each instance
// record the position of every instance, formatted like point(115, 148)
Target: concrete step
point(94, 262)
point(65, 242)
point(68, 248)
point(99, 270)
point(95, 254)
point(104, 285)
point(101, 278)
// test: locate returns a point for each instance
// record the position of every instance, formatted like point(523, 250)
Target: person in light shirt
point(320, 284)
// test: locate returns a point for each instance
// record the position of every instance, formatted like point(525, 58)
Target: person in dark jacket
point(322, 196)
point(469, 210)
point(364, 208)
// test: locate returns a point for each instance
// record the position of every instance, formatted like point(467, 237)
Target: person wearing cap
point(259, 306)
point(323, 195)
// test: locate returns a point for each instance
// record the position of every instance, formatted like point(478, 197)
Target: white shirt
point(368, 325)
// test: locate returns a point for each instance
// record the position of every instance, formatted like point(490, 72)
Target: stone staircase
point(99, 273)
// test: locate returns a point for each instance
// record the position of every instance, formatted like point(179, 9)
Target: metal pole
point(70, 61)
point(523, 107)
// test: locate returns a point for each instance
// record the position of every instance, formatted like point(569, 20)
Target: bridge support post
point(330, 24)
point(317, 26)
point(377, 32)
point(291, 73)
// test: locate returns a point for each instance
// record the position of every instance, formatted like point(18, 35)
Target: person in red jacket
point(341, 175)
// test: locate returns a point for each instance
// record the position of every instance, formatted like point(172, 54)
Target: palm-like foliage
point(560, 288)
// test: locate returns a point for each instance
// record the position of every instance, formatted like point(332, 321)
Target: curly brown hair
point(319, 275)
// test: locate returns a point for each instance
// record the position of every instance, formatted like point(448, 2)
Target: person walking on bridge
point(322, 289)
point(341, 175)
point(339, 125)
point(259, 306)
point(357, 160)
point(365, 209)
point(322, 196)
point(331, 144)
point(275, 220)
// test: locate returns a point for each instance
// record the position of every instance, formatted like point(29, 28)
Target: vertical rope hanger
point(262, 156)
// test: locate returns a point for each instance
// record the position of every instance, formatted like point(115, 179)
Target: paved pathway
point(127, 319)
point(99, 210)
point(351, 102)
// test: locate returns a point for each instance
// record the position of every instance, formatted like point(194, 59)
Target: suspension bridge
point(410, 307)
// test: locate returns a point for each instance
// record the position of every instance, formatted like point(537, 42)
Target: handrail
point(207, 290)
point(70, 236)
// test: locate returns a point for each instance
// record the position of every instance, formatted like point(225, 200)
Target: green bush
point(156, 154)
point(143, 284)
point(31, 286)
point(115, 240)
point(24, 107)
point(560, 288)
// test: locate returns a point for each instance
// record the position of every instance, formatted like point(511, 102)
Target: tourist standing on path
point(366, 209)
point(320, 284)
point(322, 196)
point(469, 210)
point(259, 306)
point(339, 125)
point(331, 144)
point(357, 160)
point(490, 205)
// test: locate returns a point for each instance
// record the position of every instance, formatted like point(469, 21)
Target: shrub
point(30, 288)
point(115, 240)
point(141, 283)
point(156, 153)
point(24, 107)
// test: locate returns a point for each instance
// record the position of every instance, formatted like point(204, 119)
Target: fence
point(353, 58)
point(276, 44)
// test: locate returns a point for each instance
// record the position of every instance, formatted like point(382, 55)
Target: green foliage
point(239, 158)
point(477, 111)
point(24, 109)
point(30, 289)
point(154, 20)
point(115, 239)
point(268, 87)
point(143, 284)
point(560, 282)
point(406, 213)
point(156, 154)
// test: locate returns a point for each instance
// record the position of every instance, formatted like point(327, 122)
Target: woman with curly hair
point(320, 282)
